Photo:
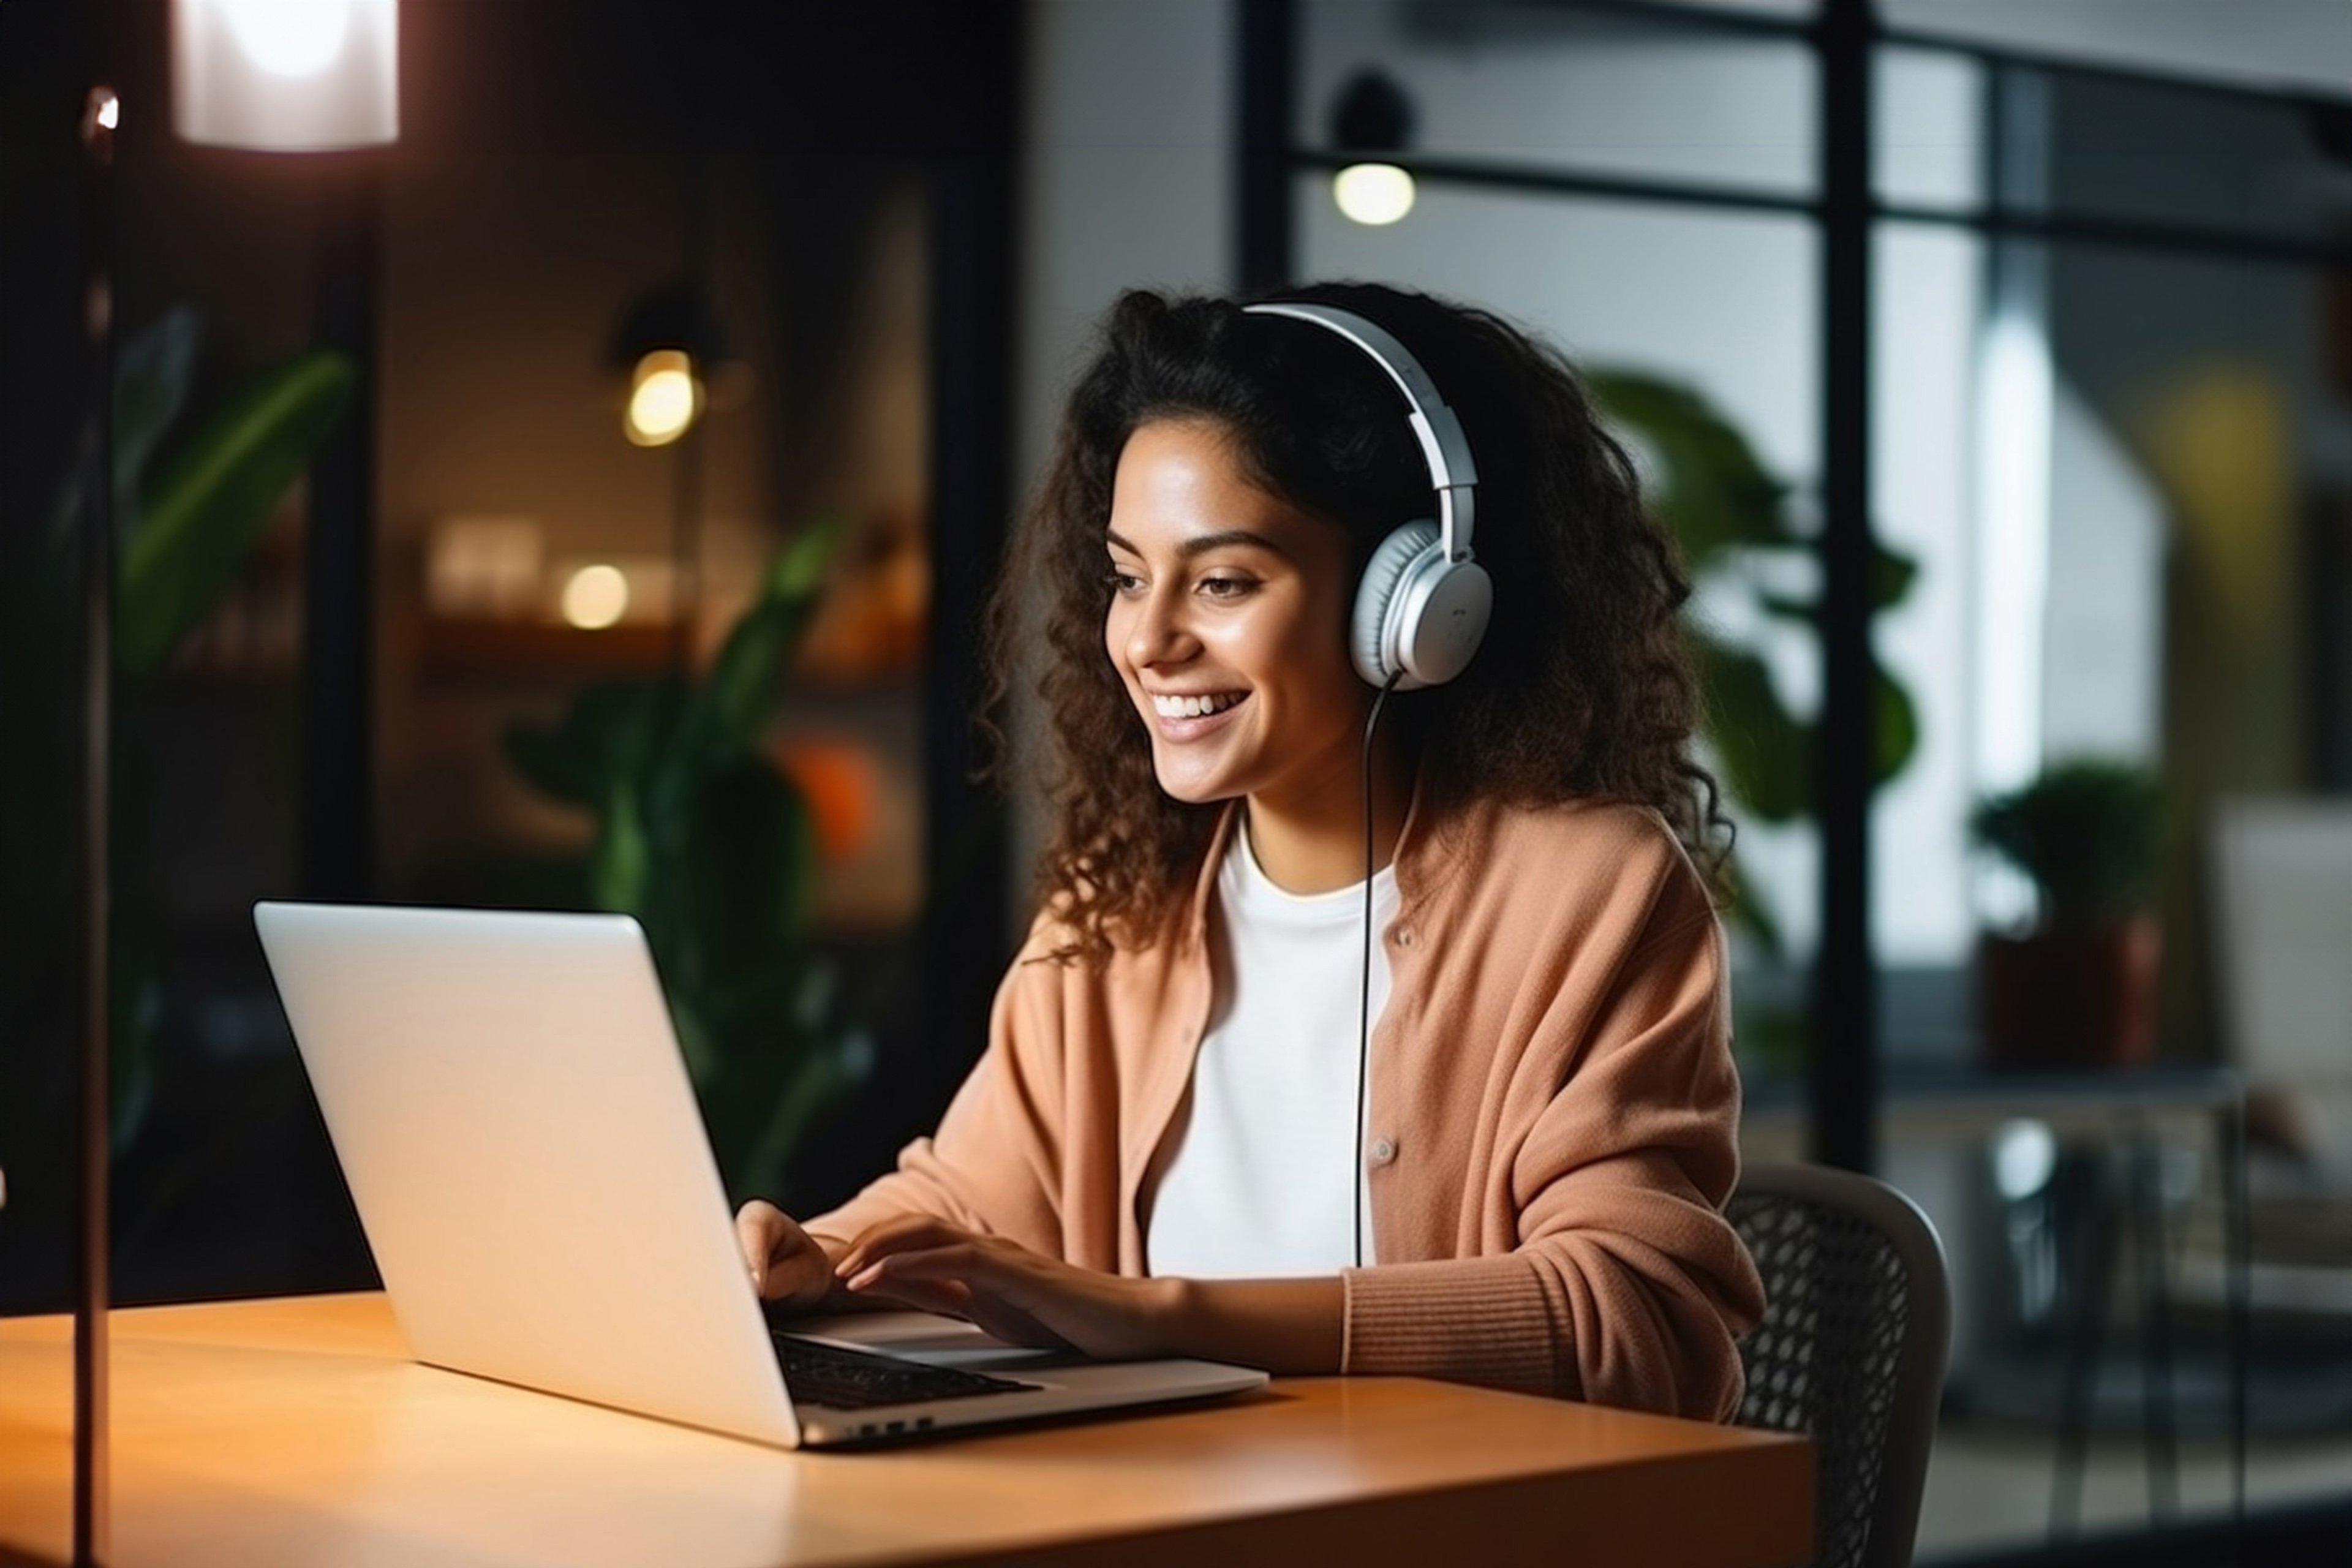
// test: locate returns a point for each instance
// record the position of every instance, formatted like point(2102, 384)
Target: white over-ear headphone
point(1422, 605)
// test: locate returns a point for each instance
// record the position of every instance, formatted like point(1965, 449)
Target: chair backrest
point(1851, 1348)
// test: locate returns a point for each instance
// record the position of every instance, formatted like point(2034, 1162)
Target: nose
point(1157, 634)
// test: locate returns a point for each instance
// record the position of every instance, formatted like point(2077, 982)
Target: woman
point(1177, 1142)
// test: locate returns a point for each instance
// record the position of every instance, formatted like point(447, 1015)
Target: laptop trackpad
point(928, 1338)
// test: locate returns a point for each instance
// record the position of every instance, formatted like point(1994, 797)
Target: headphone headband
point(1444, 448)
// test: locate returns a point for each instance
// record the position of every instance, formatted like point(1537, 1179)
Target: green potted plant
point(1741, 530)
point(1736, 523)
point(194, 507)
point(2076, 987)
point(704, 839)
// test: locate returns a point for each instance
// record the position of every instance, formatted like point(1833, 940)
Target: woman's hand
point(1011, 1293)
point(788, 1264)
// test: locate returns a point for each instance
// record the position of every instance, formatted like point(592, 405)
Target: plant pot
point(2070, 998)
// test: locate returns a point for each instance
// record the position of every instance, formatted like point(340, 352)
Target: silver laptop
point(510, 1109)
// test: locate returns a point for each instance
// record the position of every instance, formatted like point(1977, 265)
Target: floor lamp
point(101, 114)
point(272, 77)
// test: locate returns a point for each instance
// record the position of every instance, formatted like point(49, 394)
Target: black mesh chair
point(1852, 1349)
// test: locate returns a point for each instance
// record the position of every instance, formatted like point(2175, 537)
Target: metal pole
point(1267, 43)
point(964, 940)
point(93, 1286)
point(2238, 1271)
point(1844, 1080)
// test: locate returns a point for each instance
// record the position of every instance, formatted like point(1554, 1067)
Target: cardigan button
point(1383, 1151)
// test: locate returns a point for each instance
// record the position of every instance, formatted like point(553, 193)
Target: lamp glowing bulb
point(1373, 194)
point(109, 110)
point(664, 398)
point(288, 37)
point(596, 597)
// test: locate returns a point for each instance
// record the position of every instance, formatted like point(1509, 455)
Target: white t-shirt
point(1260, 1184)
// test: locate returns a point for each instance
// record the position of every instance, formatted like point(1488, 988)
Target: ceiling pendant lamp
point(1372, 116)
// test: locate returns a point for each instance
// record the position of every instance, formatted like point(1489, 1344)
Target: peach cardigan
point(1551, 1080)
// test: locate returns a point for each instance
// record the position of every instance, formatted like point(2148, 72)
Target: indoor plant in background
point(193, 509)
point(1741, 537)
point(712, 847)
point(190, 527)
point(2076, 987)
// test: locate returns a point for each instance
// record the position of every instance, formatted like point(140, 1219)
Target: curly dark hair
point(1582, 689)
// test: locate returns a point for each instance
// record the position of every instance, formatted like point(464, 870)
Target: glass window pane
point(1927, 408)
point(2263, 44)
point(2123, 477)
point(1600, 92)
point(2157, 153)
point(1928, 145)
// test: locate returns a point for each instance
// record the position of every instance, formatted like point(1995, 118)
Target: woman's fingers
point(785, 1263)
point(999, 1288)
point(755, 1229)
point(1018, 1295)
point(957, 1260)
point(903, 1233)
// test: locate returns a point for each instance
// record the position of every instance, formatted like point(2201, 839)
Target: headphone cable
point(1364, 974)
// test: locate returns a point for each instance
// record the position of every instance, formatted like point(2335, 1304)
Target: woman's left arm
point(1625, 1284)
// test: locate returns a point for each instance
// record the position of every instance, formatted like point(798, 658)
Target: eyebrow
point(1202, 543)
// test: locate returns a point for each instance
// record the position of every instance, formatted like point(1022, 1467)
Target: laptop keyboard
point(854, 1380)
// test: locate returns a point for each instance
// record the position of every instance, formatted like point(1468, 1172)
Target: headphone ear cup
point(1378, 653)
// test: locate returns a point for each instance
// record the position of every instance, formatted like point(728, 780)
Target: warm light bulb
point(596, 597)
point(1373, 193)
point(288, 37)
point(664, 398)
point(110, 111)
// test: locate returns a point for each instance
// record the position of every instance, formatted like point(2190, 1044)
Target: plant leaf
point(622, 864)
point(1892, 572)
point(200, 521)
point(548, 761)
point(151, 391)
point(732, 710)
point(1788, 607)
point(747, 867)
point(1709, 484)
point(1899, 727)
point(1748, 910)
point(1767, 753)
point(614, 731)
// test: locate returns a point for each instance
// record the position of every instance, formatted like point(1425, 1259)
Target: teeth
point(1194, 706)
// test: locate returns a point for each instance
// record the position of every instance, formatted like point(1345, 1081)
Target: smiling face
point(1228, 623)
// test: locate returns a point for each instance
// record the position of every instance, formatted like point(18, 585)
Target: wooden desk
point(295, 1431)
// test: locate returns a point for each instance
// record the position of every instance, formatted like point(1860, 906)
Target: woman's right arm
point(987, 1169)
